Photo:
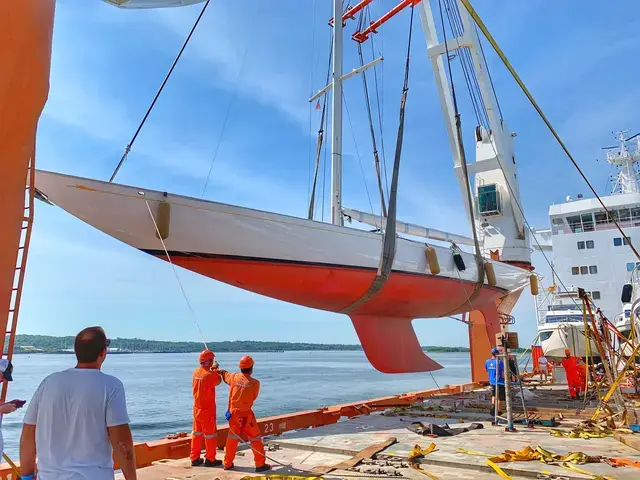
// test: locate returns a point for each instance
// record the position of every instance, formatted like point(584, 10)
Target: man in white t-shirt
point(77, 420)
point(543, 366)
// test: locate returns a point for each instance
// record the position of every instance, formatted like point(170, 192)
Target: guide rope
point(175, 272)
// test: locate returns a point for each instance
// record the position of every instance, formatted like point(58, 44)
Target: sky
point(237, 104)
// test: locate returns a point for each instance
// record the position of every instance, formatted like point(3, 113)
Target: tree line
point(51, 344)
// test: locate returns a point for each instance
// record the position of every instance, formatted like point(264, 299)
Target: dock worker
point(570, 365)
point(582, 374)
point(205, 379)
point(495, 368)
point(543, 368)
point(243, 426)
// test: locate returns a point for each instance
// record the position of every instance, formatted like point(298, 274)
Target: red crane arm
point(351, 12)
point(362, 36)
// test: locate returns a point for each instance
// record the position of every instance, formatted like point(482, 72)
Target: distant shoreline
point(46, 344)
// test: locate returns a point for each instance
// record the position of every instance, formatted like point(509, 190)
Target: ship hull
point(301, 261)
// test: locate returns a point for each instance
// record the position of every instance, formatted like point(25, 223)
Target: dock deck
point(303, 450)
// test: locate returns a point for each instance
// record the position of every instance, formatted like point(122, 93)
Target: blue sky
point(259, 61)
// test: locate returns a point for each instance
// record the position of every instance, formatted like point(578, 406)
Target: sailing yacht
point(382, 279)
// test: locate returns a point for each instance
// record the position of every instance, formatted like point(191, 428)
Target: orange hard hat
point(567, 351)
point(246, 362)
point(206, 356)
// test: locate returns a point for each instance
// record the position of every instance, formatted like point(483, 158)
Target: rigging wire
point(379, 100)
point(155, 98)
point(320, 137)
point(544, 118)
point(311, 75)
point(175, 272)
point(376, 158)
point(467, 68)
point(355, 145)
point(232, 100)
point(493, 88)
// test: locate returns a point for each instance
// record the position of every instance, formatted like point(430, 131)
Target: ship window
point(617, 241)
point(544, 336)
point(576, 270)
point(584, 270)
point(613, 215)
point(575, 224)
point(624, 215)
point(590, 244)
point(489, 200)
point(593, 269)
point(625, 241)
point(630, 267)
point(595, 295)
point(635, 213)
point(587, 222)
point(563, 318)
point(580, 245)
point(601, 217)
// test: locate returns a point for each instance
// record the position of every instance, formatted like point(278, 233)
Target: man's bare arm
point(122, 443)
point(28, 450)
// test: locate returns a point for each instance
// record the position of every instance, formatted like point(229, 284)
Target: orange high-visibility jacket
point(204, 388)
point(243, 390)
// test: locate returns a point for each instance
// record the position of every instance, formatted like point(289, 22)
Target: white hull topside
point(205, 227)
point(563, 336)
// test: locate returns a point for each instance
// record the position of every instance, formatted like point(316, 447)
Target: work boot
point(197, 462)
point(230, 467)
point(263, 468)
point(214, 463)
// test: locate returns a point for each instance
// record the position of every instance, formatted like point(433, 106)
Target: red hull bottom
point(383, 324)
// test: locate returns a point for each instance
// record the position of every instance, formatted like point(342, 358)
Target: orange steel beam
point(373, 27)
point(352, 11)
point(26, 29)
point(147, 453)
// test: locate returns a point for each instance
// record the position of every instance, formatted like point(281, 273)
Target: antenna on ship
point(625, 161)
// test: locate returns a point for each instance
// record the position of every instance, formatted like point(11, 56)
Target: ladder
point(6, 347)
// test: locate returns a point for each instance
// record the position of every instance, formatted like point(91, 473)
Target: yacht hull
point(296, 260)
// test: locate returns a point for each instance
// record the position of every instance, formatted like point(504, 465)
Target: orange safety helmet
point(567, 351)
point(246, 362)
point(206, 356)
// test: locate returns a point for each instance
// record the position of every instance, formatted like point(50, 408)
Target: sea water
point(158, 386)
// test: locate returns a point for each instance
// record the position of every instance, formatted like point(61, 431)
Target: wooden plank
point(356, 459)
point(632, 441)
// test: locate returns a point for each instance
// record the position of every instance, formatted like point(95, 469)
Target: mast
point(336, 117)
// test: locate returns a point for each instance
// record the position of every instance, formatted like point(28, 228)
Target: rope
point(155, 98)
point(175, 272)
point(544, 118)
point(387, 255)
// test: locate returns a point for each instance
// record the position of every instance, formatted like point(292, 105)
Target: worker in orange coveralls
point(243, 391)
point(570, 365)
point(582, 374)
point(205, 379)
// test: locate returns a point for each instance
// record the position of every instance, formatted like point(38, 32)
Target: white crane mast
point(498, 218)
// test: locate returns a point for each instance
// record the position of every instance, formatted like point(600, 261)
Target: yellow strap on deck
point(419, 452)
point(573, 468)
point(498, 470)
